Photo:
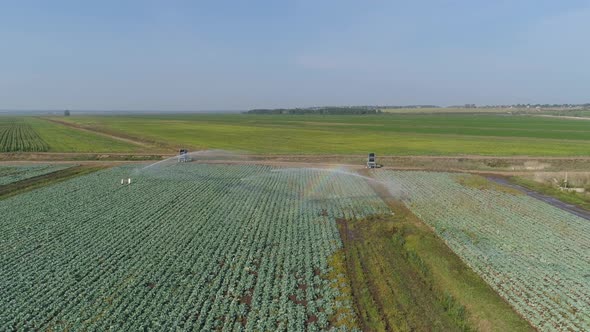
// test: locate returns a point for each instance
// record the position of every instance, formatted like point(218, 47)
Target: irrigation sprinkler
point(184, 156)
point(372, 161)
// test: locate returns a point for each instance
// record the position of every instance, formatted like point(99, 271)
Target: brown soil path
point(101, 133)
point(564, 117)
point(276, 163)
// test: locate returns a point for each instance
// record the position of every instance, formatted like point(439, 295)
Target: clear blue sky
point(204, 55)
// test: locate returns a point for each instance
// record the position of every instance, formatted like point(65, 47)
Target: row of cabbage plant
point(533, 254)
point(187, 246)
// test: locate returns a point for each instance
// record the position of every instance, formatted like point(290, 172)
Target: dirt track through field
point(111, 136)
point(564, 117)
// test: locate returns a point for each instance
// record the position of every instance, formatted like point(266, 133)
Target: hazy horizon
point(181, 56)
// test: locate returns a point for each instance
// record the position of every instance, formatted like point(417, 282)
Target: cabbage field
point(11, 174)
point(534, 255)
point(244, 247)
point(188, 246)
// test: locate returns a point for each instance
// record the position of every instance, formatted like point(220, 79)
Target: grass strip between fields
point(29, 184)
point(403, 277)
point(392, 286)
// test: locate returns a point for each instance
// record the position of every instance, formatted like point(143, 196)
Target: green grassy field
point(393, 134)
point(61, 138)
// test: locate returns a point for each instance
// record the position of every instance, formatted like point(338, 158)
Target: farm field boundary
point(60, 138)
point(32, 183)
point(15, 173)
point(507, 165)
point(404, 277)
point(142, 142)
point(531, 253)
point(75, 156)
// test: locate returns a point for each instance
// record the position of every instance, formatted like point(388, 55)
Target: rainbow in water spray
point(320, 181)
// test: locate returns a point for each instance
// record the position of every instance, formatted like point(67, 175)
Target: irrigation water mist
point(392, 189)
point(196, 156)
point(330, 170)
point(314, 183)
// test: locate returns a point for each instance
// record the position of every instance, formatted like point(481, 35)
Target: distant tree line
point(586, 105)
point(318, 110)
point(407, 106)
point(340, 110)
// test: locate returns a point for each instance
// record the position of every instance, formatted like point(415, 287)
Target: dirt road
point(578, 211)
point(129, 140)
